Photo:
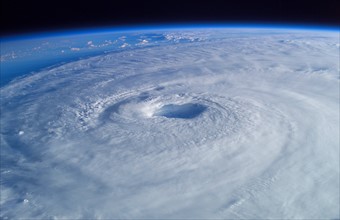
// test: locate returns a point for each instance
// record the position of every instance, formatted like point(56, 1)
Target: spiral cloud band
point(238, 124)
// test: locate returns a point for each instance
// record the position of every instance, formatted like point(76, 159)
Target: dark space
point(31, 16)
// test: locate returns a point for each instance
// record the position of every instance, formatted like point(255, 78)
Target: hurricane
point(213, 124)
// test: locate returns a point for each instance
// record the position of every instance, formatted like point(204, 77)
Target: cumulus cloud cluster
point(244, 124)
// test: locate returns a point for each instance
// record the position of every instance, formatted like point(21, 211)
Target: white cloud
point(75, 49)
point(91, 146)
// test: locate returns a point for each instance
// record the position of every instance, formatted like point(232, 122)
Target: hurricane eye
point(184, 111)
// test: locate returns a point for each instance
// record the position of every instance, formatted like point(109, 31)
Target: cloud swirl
point(241, 125)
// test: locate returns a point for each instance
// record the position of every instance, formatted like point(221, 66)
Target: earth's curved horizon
point(200, 122)
point(8, 74)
